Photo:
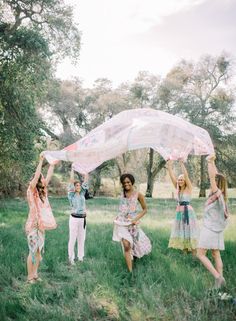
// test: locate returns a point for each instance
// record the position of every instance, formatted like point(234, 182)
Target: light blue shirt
point(77, 200)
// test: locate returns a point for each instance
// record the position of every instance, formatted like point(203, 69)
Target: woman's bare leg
point(201, 254)
point(127, 252)
point(33, 268)
point(218, 261)
point(36, 265)
point(30, 268)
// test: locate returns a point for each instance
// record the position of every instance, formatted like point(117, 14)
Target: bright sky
point(122, 37)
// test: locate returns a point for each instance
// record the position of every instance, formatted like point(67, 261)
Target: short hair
point(129, 176)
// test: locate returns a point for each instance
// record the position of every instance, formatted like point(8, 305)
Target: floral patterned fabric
point(140, 243)
point(40, 213)
point(169, 135)
point(40, 218)
point(35, 240)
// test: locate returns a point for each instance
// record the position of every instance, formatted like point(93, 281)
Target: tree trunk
point(202, 192)
point(150, 178)
point(153, 174)
point(118, 167)
point(97, 180)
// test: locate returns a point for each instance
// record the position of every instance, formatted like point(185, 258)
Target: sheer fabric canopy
point(169, 135)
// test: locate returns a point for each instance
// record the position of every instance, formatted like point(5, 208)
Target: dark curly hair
point(130, 177)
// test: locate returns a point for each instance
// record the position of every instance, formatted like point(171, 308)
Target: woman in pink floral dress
point(40, 218)
point(134, 241)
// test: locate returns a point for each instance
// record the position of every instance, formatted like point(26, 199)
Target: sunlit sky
point(122, 37)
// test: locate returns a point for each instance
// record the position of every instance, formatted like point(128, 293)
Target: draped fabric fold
point(169, 135)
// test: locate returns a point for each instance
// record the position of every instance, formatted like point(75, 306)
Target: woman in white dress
point(214, 222)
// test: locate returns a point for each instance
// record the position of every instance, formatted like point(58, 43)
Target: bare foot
point(219, 282)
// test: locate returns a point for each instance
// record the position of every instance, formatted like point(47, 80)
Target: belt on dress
point(186, 216)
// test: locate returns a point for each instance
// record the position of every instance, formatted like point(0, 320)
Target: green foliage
point(32, 35)
point(24, 70)
point(53, 19)
point(201, 93)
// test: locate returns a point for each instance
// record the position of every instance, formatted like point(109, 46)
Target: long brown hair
point(221, 183)
point(41, 188)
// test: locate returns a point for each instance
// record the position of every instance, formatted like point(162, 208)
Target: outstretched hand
point(169, 162)
point(211, 158)
point(41, 156)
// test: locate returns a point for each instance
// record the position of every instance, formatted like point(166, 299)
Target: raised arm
point(186, 177)
point(212, 171)
point(34, 181)
point(85, 178)
point(72, 175)
point(49, 173)
point(171, 173)
point(143, 204)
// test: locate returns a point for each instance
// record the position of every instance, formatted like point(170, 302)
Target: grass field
point(166, 285)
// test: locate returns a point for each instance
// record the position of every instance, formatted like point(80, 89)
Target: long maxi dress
point(184, 234)
point(140, 243)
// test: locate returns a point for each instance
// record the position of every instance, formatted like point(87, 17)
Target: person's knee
point(215, 254)
point(126, 246)
point(200, 253)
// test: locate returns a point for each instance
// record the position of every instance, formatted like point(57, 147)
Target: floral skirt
point(184, 236)
point(35, 240)
point(140, 243)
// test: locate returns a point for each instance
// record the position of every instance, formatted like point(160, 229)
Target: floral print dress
point(40, 218)
point(123, 229)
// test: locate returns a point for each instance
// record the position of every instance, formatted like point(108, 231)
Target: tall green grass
point(166, 285)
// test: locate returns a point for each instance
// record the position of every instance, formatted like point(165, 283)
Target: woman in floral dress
point(40, 218)
point(126, 230)
point(184, 234)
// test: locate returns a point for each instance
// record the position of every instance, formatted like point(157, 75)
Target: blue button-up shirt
point(77, 200)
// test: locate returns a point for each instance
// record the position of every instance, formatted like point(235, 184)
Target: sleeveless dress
point(40, 218)
point(140, 243)
point(215, 219)
point(184, 234)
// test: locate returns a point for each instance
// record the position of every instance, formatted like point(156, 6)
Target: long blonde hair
point(177, 185)
point(221, 183)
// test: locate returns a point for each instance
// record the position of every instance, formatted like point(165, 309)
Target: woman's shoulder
point(139, 195)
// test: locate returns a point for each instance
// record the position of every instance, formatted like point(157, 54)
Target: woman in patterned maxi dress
point(184, 234)
point(134, 241)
